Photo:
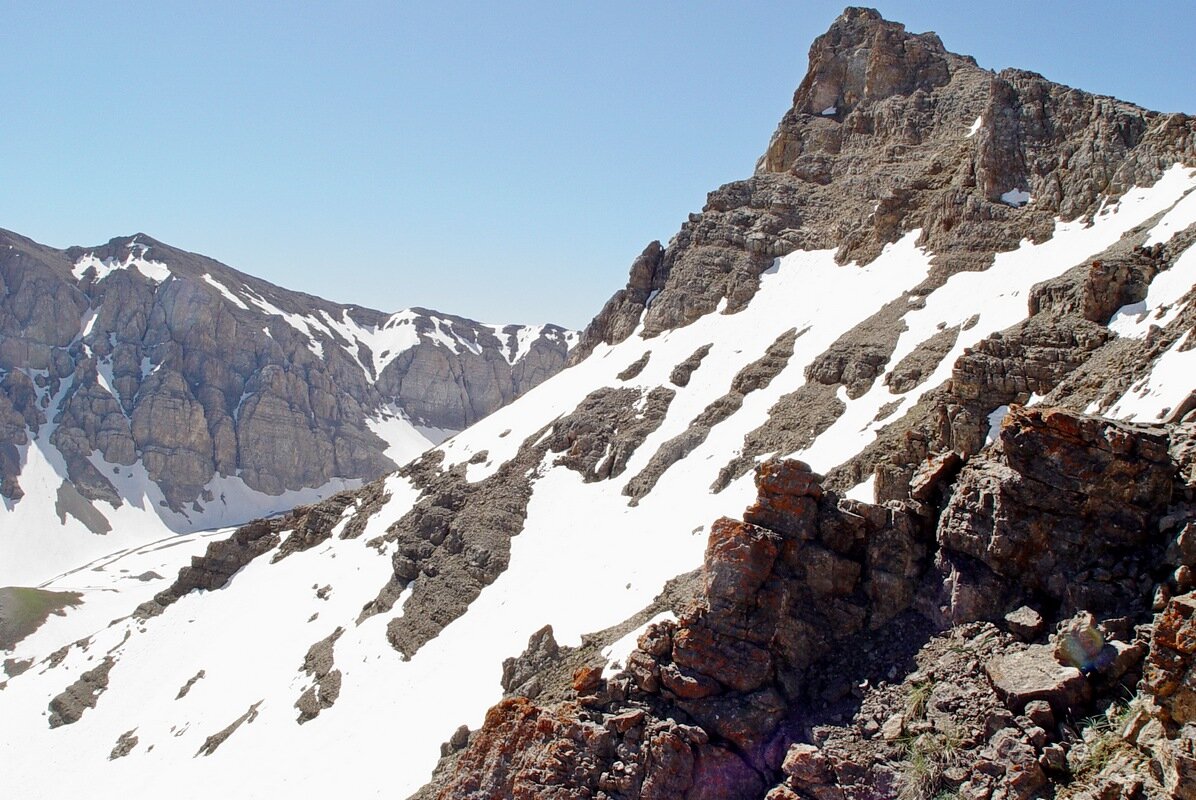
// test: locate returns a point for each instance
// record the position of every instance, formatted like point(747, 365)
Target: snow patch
point(994, 422)
point(155, 271)
point(1162, 391)
point(404, 439)
point(864, 491)
point(616, 652)
point(228, 295)
point(1016, 197)
point(1164, 297)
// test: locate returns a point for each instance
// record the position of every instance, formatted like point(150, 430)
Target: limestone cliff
point(136, 355)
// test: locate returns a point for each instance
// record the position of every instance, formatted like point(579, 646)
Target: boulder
point(1033, 674)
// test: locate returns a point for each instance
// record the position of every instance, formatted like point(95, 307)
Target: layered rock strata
point(135, 352)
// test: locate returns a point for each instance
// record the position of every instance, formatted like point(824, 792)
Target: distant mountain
point(878, 480)
point(144, 389)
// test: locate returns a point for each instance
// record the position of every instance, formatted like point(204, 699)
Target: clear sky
point(504, 161)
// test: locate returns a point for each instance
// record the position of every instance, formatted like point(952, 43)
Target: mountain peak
point(864, 57)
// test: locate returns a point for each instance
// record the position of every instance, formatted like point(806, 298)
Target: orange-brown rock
point(1168, 674)
point(525, 752)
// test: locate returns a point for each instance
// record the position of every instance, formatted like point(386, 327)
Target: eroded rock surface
point(143, 353)
point(814, 662)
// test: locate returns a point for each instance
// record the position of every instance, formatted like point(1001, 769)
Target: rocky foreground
point(1022, 626)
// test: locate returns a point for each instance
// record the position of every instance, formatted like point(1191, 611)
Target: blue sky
point(501, 161)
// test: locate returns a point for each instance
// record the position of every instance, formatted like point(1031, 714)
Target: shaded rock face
point(812, 593)
point(878, 142)
point(142, 353)
point(1061, 496)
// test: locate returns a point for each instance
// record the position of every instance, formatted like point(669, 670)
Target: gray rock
point(1025, 623)
point(196, 380)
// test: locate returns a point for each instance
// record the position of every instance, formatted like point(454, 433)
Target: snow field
point(585, 559)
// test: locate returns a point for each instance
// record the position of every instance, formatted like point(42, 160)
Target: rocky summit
point(142, 386)
point(877, 481)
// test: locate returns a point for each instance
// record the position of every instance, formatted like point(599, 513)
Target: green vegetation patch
point(23, 610)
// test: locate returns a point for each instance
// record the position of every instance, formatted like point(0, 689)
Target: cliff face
point(940, 346)
point(137, 360)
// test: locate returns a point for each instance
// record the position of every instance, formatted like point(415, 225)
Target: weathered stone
point(1169, 675)
point(319, 665)
point(1034, 674)
point(68, 707)
point(1177, 761)
point(587, 679)
point(124, 745)
point(932, 474)
point(787, 492)
point(1065, 495)
point(518, 674)
point(1025, 623)
point(1039, 712)
point(1079, 643)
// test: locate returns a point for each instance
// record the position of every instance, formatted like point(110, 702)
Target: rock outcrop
point(756, 688)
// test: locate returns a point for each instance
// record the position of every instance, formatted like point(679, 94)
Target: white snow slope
point(585, 559)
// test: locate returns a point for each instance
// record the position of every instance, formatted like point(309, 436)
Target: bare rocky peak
point(864, 58)
point(889, 132)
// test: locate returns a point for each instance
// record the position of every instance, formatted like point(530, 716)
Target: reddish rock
point(747, 721)
point(687, 684)
point(644, 670)
point(933, 474)
point(1177, 762)
point(810, 772)
point(669, 763)
point(624, 722)
point(739, 558)
point(1025, 623)
point(1063, 497)
point(720, 774)
point(1168, 673)
point(657, 640)
point(787, 491)
point(586, 679)
point(736, 664)
point(530, 753)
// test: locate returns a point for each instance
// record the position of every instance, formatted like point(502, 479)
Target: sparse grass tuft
point(1102, 739)
point(927, 756)
point(916, 700)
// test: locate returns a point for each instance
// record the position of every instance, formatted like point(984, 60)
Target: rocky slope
point(839, 649)
point(138, 374)
point(951, 316)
